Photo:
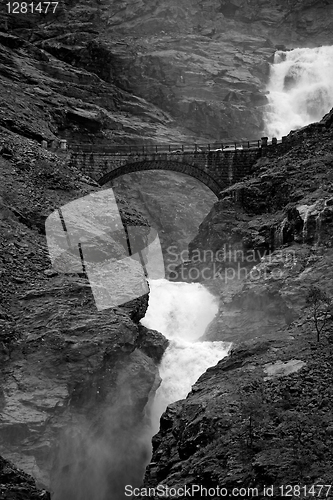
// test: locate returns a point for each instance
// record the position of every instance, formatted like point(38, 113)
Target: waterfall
point(300, 89)
point(181, 311)
point(96, 464)
point(278, 234)
point(313, 212)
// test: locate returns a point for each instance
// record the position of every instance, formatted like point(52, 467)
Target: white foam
point(181, 311)
point(300, 89)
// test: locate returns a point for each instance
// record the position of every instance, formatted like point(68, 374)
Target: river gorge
point(215, 382)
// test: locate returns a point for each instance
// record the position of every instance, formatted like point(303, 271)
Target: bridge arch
point(174, 166)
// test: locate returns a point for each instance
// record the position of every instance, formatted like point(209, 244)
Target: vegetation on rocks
point(319, 304)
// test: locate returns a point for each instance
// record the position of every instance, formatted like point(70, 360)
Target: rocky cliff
point(154, 69)
point(128, 72)
point(263, 416)
point(278, 221)
point(260, 418)
point(68, 371)
point(72, 102)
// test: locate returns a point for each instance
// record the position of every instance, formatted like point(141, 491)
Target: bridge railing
point(118, 149)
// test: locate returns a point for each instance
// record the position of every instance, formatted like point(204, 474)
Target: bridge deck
point(163, 148)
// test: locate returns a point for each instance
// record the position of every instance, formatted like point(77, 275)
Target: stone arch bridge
point(217, 166)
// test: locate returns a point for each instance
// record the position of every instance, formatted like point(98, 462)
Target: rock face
point(173, 203)
point(157, 70)
point(68, 371)
point(71, 102)
point(207, 63)
point(256, 252)
point(15, 484)
point(239, 426)
point(262, 416)
point(77, 383)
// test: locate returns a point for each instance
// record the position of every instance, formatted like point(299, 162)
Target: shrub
point(320, 306)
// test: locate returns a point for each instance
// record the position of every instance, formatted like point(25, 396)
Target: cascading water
point(181, 311)
point(300, 89)
point(97, 465)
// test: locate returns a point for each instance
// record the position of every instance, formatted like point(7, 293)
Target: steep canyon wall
point(203, 66)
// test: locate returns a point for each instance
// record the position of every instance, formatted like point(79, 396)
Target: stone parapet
point(217, 169)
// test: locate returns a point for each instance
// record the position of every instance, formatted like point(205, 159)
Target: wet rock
point(52, 380)
point(225, 433)
point(50, 273)
point(16, 485)
point(327, 119)
point(152, 342)
point(280, 369)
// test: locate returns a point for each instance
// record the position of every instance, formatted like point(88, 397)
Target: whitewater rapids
point(117, 456)
point(181, 311)
point(300, 89)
